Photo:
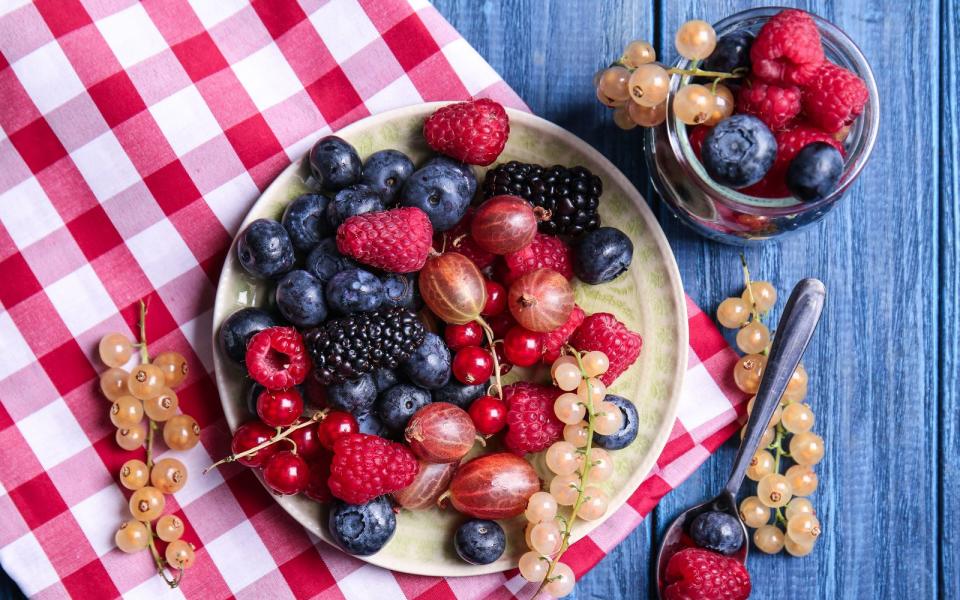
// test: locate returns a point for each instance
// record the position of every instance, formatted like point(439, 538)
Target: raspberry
point(697, 135)
point(834, 98)
point(553, 341)
point(774, 105)
point(459, 240)
point(695, 574)
point(277, 359)
point(789, 143)
point(533, 426)
point(397, 240)
point(544, 252)
point(366, 466)
point(603, 332)
point(787, 49)
point(473, 132)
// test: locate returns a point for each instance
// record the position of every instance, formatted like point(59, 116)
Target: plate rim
point(656, 233)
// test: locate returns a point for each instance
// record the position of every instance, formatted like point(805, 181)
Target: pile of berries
point(142, 399)
point(403, 294)
point(769, 113)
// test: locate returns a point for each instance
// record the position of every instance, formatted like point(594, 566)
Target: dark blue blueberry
point(398, 290)
point(306, 221)
point(814, 172)
point(429, 365)
point(264, 249)
point(739, 151)
point(602, 255)
point(440, 190)
point(354, 290)
point(300, 299)
point(461, 394)
point(325, 260)
point(480, 542)
point(334, 163)
point(396, 405)
point(362, 529)
point(628, 431)
point(369, 423)
point(464, 168)
point(237, 329)
point(252, 394)
point(353, 395)
point(732, 52)
point(384, 378)
point(354, 200)
point(717, 531)
point(385, 171)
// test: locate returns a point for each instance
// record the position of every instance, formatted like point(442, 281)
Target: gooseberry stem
point(282, 434)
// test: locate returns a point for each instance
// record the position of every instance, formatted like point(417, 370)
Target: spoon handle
point(799, 319)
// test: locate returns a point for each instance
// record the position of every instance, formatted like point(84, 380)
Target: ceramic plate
point(649, 299)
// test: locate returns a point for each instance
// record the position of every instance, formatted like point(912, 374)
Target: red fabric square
point(648, 494)
point(67, 190)
point(200, 56)
point(90, 581)
point(117, 98)
point(159, 320)
point(38, 145)
point(17, 109)
point(279, 16)
point(144, 143)
point(38, 500)
point(5, 420)
point(705, 339)
point(62, 16)
point(19, 282)
point(307, 574)
point(40, 325)
point(94, 232)
point(68, 367)
point(253, 140)
point(251, 495)
point(411, 42)
point(172, 187)
point(334, 95)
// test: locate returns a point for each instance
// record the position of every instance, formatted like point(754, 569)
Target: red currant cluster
point(143, 398)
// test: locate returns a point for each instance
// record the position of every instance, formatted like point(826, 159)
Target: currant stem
point(488, 331)
point(144, 354)
point(281, 435)
point(160, 562)
point(754, 313)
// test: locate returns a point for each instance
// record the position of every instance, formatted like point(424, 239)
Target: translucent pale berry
point(768, 539)
point(568, 408)
point(591, 391)
point(733, 312)
point(695, 39)
point(562, 458)
point(794, 395)
point(563, 360)
point(613, 84)
point(567, 377)
point(601, 466)
point(145, 381)
point(638, 52)
point(113, 383)
point(753, 338)
point(168, 475)
point(541, 300)
point(169, 528)
point(174, 367)
point(126, 411)
point(545, 537)
point(608, 420)
point(774, 490)
point(541, 507)
point(595, 363)
point(180, 554)
point(795, 549)
point(563, 488)
point(764, 295)
point(649, 84)
point(134, 474)
point(622, 118)
point(748, 372)
point(594, 503)
point(804, 528)
point(753, 512)
point(115, 349)
point(723, 105)
point(181, 432)
point(803, 480)
point(532, 567)
point(605, 100)
point(761, 465)
point(162, 406)
point(146, 504)
point(647, 116)
point(562, 581)
point(799, 506)
point(806, 448)
point(693, 104)
point(577, 434)
point(799, 379)
point(131, 438)
point(131, 536)
point(766, 439)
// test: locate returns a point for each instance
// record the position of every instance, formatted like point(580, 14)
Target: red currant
point(501, 324)
point(308, 442)
point(279, 408)
point(496, 299)
point(249, 435)
point(505, 365)
point(286, 473)
point(336, 424)
point(489, 414)
point(472, 365)
point(462, 336)
point(521, 346)
point(317, 488)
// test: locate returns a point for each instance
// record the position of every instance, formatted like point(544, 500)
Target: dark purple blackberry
point(569, 195)
point(346, 348)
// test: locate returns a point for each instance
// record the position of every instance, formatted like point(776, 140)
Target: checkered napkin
point(135, 136)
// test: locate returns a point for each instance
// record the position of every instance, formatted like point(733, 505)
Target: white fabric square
point(197, 331)
point(370, 582)
point(92, 514)
point(185, 120)
point(241, 557)
point(344, 27)
point(401, 92)
point(53, 434)
point(231, 201)
point(15, 354)
point(480, 75)
point(154, 588)
point(26, 558)
point(48, 77)
point(81, 300)
point(8, 6)
point(267, 77)
point(105, 166)
point(27, 213)
point(195, 460)
point(131, 35)
point(161, 252)
point(212, 12)
point(701, 399)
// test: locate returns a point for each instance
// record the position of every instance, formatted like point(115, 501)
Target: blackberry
point(570, 195)
point(346, 348)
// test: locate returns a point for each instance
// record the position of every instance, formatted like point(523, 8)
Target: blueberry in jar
point(814, 172)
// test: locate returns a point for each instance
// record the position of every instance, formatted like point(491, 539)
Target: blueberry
point(464, 168)
point(441, 190)
point(429, 365)
point(461, 394)
point(385, 171)
point(717, 531)
point(602, 255)
point(300, 299)
point(354, 200)
point(362, 529)
point(369, 423)
point(628, 431)
point(732, 52)
point(252, 394)
point(334, 163)
point(264, 249)
point(384, 378)
point(398, 290)
point(354, 290)
point(396, 405)
point(353, 395)
point(237, 329)
point(306, 221)
point(480, 542)
point(814, 172)
point(739, 151)
point(325, 260)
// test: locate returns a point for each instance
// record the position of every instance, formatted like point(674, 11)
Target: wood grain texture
point(883, 365)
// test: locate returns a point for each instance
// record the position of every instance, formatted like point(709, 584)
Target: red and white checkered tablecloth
point(135, 136)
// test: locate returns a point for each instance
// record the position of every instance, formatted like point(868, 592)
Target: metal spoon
point(800, 317)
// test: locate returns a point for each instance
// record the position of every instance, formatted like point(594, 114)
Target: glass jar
point(724, 214)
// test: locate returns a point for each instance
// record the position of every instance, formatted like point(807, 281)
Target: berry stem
point(281, 435)
point(488, 331)
point(754, 313)
point(160, 562)
point(144, 353)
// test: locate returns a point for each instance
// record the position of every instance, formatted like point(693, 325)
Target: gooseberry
point(541, 300)
point(440, 433)
point(453, 288)
point(504, 224)
point(431, 482)
point(494, 486)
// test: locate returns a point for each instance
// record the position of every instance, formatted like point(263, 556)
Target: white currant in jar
point(569, 409)
point(541, 507)
point(774, 490)
point(723, 105)
point(622, 119)
point(768, 539)
point(693, 104)
point(695, 40)
point(806, 448)
point(638, 52)
point(562, 458)
point(753, 512)
point(649, 84)
point(647, 116)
